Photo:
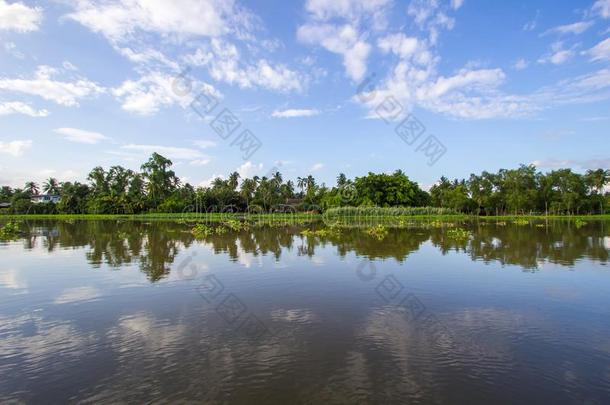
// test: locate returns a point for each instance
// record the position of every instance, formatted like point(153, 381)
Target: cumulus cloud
point(43, 85)
point(80, 135)
point(344, 40)
point(17, 107)
point(15, 148)
point(19, 17)
point(214, 24)
point(155, 90)
point(225, 63)
point(292, 113)
point(118, 19)
point(249, 169)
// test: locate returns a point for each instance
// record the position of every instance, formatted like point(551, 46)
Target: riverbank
point(214, 217)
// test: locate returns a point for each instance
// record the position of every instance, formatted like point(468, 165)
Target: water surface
point(112, 311)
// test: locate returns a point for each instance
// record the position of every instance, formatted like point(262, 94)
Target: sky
point(317, 87)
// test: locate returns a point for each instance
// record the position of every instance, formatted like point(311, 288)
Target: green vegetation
point(521, 221)
point(579, 223)
point(156, 190)
point(378, 232)
point(9, 231)
point(322, 233)
point(459, 234)
point(201, 231)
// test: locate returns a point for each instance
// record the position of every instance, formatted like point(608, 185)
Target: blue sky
point(86, 83)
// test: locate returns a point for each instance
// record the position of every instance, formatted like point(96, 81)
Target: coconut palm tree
point(277, 178)
point(51, 186)
point(301, 183)
point(31, 188)
point(310, 182)
point(234, 180)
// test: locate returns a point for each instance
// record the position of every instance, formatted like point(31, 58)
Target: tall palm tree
point(31, 188)
point(310, 183)
point(51, 186)
point(277, 177)
point(234, 180)
point(301, 183)
point(341, 179)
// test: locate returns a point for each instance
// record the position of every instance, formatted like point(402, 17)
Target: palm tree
point(248, 187)
point(234, 180)
point(310, 182)
point(301, 183)
point(277, 177)
point(51, 186)
point(31, 188)
point(341, 180)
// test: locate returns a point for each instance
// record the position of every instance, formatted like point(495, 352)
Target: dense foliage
point(156, 188)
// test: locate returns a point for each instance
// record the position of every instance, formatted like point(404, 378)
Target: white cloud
point(582, 164)
point(602, 8)
point(204, 144)
point(343, 40)
point(60, 92)
point(225, 63)
point(120, 19)
point(600, 51)
point(292, 113)
point(17, 107)
point(431, 17)
point(208, 182)
point(171, 152)
point(199, 162)
point(19, 17)
point(455, 4)
point(351, 10)
point(574, 28)
point(15, 148)
point(155, 90)
point(316, 167)
point(558, 55)
point(249, 169)
point(11, 48)
point(399, 44)
point(80, 135)
point(520, 64)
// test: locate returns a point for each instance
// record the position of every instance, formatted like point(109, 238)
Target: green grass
point(343, 217)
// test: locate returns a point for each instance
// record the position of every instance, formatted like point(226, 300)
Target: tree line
point(156, 188)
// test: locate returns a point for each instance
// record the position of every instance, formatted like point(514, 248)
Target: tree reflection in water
point(155, 245)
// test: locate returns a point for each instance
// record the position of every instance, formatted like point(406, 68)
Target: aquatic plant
point(580, 223)
point(10, 230)
point(378, 232)
point(521, 222)
point(324, 232)
point(458, 234)
point(234, 225)
point(202, 231)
